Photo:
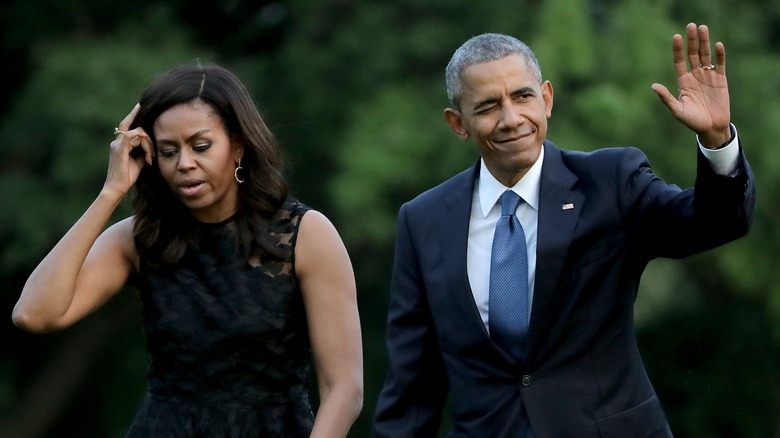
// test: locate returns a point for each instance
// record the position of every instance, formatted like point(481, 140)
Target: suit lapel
point(559, 210)
point(454, 238)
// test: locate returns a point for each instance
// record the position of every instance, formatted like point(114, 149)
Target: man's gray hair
point(483, 48)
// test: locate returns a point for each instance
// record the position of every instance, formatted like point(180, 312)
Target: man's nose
point(511, 116)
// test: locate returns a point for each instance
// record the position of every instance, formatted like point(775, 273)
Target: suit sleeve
point(677, 223)
point(728, 201)
point(411, 401)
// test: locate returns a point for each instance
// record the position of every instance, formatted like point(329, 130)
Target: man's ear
point(454, 118)
point(547, 95)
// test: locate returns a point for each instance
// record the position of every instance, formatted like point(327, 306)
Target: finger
point(705, 57)
point(693, 46)
point(666, 97)
point(146, 145)
point(137, 138)
point(124, 125)
point(124, 143)
point(720, 58)
point(680, 67)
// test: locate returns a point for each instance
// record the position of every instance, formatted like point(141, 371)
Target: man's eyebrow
point(187, 140)
point(524, 90)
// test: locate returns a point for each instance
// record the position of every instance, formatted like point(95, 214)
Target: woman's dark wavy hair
point(163, 225)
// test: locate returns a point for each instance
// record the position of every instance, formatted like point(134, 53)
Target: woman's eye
point(167, 152)
point(201, 147)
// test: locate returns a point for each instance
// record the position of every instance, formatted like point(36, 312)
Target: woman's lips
point(190, 188)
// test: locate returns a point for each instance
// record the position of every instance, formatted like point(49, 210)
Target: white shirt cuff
point(724, 161)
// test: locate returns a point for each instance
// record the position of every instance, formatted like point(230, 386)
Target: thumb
point(666, 97)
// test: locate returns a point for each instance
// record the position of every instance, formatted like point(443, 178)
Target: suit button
point(526, 380)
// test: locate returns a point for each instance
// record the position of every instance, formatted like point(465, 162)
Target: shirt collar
point(490, 189)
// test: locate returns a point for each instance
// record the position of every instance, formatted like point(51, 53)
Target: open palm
point(703, 102)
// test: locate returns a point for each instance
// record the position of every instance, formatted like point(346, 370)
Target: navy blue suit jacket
point(583, 376)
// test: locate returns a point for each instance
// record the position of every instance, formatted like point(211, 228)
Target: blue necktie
point(508, 290)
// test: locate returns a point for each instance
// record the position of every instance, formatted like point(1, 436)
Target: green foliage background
point(355, 92)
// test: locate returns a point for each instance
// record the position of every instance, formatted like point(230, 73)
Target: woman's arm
point(83, 271)
point(327, 282)
point(87, 267)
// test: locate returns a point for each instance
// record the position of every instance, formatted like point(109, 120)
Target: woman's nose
point(186, 159)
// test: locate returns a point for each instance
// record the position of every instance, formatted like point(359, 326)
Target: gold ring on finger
point(708, 67)
point(117, 131)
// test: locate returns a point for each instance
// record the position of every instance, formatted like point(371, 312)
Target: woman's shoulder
point(290, 213)
point(303, 221)
point(294, 206)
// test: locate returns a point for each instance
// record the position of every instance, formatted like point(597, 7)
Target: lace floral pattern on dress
point(228, 341)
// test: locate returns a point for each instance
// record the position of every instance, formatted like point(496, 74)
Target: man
point(526, 315)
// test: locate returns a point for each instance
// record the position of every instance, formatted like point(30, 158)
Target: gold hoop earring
point(235, 174)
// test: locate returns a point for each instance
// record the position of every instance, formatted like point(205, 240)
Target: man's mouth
point(513, 138)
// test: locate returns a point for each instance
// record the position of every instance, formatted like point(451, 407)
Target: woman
point(239, 282)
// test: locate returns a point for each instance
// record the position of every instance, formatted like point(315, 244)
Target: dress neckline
point(216, 225)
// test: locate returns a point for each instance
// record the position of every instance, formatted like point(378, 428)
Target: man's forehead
point(514, 64)
point(496, 78)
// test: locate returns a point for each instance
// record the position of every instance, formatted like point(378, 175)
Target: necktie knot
point(509, 202)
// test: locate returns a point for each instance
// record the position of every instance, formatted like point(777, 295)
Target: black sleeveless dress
point(228, 341)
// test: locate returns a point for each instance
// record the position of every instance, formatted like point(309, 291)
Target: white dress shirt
point(486, 209)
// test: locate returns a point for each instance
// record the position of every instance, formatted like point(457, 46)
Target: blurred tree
point(355, 92)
